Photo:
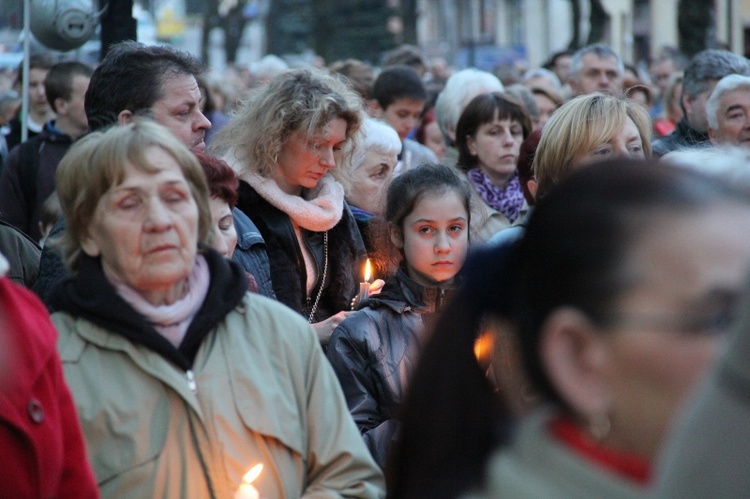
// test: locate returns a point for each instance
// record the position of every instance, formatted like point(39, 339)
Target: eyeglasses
point(716, 321)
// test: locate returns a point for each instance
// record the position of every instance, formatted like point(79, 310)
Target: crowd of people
point(361, 281)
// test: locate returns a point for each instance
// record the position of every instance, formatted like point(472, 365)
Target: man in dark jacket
point(701, 76)
point(29, 178)
point(156, 82)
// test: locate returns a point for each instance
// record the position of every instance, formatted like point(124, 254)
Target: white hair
point(535, 73)
point(375, 136)
point(269, 67)
point(459, 90)
point(727, 84)
point(730, 164)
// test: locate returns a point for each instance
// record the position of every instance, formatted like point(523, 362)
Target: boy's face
point(37, 96)
point(403, 115)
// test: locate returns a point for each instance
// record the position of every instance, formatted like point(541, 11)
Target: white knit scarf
point(318, 209)
point(171, 321)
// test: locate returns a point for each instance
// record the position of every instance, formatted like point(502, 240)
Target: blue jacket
point(251, 252)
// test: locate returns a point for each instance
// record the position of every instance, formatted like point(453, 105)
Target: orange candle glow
point(246, 490)
point(368, 271)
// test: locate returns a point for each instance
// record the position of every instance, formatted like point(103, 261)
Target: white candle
point(364, 287)
point(246, 490)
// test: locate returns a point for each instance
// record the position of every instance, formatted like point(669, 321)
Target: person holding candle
point(374, 351)
point(182, 379)
point(288, 146)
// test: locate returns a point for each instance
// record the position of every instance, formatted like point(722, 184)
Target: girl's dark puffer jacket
point(374, 353)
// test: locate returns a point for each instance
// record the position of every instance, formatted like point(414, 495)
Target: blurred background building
point(483, 33)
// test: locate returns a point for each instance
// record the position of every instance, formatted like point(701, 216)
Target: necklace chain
point(323, 280)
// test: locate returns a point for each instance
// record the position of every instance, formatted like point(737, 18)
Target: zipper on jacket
point(439, 300)
point(191, 381)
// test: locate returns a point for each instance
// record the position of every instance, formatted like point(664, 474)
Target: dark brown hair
point(483, 109)
point(575, 253)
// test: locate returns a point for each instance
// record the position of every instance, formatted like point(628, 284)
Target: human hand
point(324, 329)
point(376, 286)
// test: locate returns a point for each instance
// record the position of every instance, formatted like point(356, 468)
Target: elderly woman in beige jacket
point(182, 380)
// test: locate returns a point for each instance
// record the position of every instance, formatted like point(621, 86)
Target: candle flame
point(368, 271)
point(251, 475)
point(483, 347)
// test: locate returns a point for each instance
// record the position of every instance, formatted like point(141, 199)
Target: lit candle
point(364, 287)
point(246, 490)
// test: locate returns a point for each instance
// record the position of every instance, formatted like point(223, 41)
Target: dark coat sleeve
point(351, 355)
point(14, 207)
point(52, 269)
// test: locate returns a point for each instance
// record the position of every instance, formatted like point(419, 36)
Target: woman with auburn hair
point(236, 236)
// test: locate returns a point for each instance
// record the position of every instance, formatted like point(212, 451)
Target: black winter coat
point(684, 136)
point(374, 353)
point(346, 256)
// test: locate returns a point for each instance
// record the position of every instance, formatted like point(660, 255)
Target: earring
point(599, 426)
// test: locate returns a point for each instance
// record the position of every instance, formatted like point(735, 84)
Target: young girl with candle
point(374, 351)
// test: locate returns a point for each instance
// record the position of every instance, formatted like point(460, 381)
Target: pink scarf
point(171, 321)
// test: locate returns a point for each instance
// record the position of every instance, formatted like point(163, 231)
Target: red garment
point(43, 451)
point(622, 463)
point(663, 127)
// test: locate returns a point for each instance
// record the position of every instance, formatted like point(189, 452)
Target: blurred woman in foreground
point(618, 305)
point(182, 380)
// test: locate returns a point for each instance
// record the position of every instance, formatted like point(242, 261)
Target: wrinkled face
point(370, 181)
point(597, 75)
point(225, 235)
point(37, 95)
point(434, 140)
point(304, 160)
point(435, 238)
point(496, 146)
point(673, 321)
point(179, 110)
point(626, 142)
point(733, 118)
point(146, 228)
point(546, 108)
point(403, 115)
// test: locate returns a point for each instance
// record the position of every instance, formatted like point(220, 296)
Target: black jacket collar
point(89, 295)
